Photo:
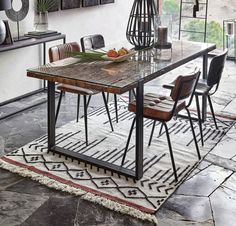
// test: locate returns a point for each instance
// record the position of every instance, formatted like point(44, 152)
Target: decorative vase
point(41, 21)
point(140, 29)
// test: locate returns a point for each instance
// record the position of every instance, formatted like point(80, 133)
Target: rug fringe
point(120, 208)
point(78, 192)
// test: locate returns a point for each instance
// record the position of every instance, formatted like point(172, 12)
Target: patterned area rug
point(137, 198)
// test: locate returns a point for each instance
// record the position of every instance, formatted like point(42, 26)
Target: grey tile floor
point(207, 197)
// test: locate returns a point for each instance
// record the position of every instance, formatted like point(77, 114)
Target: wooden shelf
point(30, 42)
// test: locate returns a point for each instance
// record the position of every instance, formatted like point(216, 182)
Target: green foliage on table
point(88, 56)
point(214, 32)
point(44, 5)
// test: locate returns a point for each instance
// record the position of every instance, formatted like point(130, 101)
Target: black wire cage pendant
point(140, 29)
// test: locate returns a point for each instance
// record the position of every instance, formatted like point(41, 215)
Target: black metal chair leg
point(58, 106)
point(194, 136)
point(108, 113)
point(107, 97)
point(171, 152)
point(151, 135)
point(199, 118)
point(134, 93)
point(160, 131)
point(116, 109)
point(212, 111)
point(127, 144)
point(85, 120)
point(88, 101)
point(78, 104)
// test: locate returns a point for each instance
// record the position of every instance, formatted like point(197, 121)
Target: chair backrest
point(216, 69)
point(92, 42)
point(62, 51)
point(185, 86)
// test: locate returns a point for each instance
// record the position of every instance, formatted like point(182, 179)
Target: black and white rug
point(138, 198)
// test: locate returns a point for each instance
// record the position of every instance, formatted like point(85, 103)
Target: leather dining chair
point(163, 108)
point(94, 42)
point(63, 51)
point(207, 87)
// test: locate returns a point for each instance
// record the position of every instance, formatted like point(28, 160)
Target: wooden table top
point(120, 77)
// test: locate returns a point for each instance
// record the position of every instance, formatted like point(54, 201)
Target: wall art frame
point(70, 4)
point(102, 2)
point(88, 3)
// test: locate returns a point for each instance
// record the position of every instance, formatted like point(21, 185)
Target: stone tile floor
point(207, 197)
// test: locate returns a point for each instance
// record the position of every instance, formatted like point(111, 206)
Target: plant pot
point(41, 21)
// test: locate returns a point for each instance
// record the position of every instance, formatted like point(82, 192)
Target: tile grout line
point(212, 212)
point(221, 184)
point(14, 183)
point(200, 170)
point(218, 164)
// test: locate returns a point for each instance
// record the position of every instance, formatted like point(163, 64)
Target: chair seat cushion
point(76, 89)
point(157, 107)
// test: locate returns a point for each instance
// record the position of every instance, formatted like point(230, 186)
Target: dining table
point(118, 78)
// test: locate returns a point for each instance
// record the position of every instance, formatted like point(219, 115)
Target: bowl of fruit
point(118, 56)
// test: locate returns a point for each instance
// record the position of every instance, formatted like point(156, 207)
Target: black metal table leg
point(51, 115)
point(44, 62)
point(58, 106)
point(204, 76)
point(139, 132)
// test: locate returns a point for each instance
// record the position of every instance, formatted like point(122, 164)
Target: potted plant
point(41, 14)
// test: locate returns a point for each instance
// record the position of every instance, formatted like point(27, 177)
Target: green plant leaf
point(44, 5)
point(88, 56)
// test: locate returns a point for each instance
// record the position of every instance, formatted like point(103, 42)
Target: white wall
point(110, 20)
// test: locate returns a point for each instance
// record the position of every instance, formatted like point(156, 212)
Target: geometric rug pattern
point(142, 196)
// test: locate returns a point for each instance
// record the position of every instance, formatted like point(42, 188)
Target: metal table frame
point(23, 44)
point(137, 174)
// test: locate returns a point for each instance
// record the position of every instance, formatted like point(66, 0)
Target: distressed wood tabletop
point(120, 77)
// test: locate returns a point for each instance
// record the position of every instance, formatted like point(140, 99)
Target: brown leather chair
point(207, 87)
point(63, 51)
point(94, 42)
point(163, 108)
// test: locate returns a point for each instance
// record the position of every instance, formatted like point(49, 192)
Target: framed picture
point(87, 3)
point(70, 4)
point(106, 1)
point(55, 7)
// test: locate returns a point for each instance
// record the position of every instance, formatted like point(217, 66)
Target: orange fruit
point(122, 52)
point(112, 53)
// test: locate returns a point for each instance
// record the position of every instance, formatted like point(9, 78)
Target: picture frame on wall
point(106, 1)
point(87, 3)
point(69, 4)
